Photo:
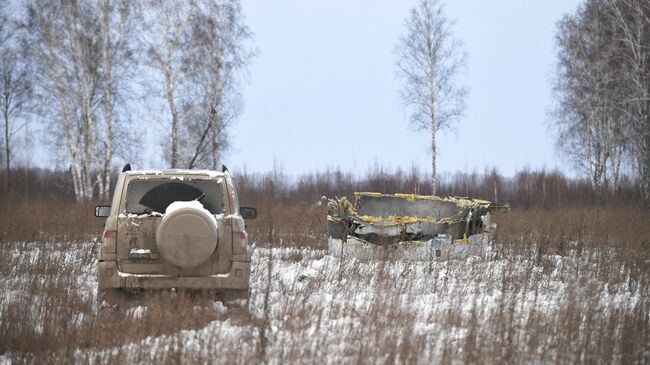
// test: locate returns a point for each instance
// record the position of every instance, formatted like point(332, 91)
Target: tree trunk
point(93, 150)
point(432, 111)
point(434, 182)
point(172, 109)
point(7, 169)
point(215, 144)
point(645, 176)
point(616, 169)
point(201, 145)
point(71, 147)
point(107, 103)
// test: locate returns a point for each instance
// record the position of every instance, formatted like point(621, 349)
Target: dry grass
point(49, 220)
point(569, 286)
point(49, 310)
point(290, 225)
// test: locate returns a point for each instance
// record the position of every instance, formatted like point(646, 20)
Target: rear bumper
point(108, 276)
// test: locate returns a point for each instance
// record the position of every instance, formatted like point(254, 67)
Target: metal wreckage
point(411, 227)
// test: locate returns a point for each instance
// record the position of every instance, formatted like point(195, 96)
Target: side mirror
point(102, 211)
point(248, 213)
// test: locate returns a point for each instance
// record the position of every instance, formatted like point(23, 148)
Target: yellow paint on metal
point(394, 220)
point(408, 197)
point(462, 241)
point(450, 220)
point(349, 208)
point(358, 194)
point(460, 201)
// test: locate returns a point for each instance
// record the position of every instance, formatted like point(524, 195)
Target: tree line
point(87, 57)
point(82, 67)
point(601, 111)
point(525, 189)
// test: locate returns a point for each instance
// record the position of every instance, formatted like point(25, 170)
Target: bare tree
point(429, 61)
point(198, 49)
point(631, 19)
point(220, 52)
point(66, 53)
point(602, 90)
point(15, 89)
point(165, 32)
point(77, 49)
point(583, 112)
point(116, 38)
point(8, 26)
point(15, 86)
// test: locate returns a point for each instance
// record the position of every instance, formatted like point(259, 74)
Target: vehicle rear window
point(148, 196)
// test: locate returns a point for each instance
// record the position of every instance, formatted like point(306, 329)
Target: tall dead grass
point(50, 314)
point(50, 220)
point(547, 302)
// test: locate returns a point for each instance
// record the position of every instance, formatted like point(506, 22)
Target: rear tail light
point(108, 241)
point(239, 236)
point(239, 242)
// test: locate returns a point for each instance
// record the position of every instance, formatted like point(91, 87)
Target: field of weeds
point(568, 286)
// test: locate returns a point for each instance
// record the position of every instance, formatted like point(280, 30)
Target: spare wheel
point(186, 237)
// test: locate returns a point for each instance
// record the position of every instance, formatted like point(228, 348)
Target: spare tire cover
point(186, 237)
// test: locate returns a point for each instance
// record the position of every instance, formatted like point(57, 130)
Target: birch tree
point(198, 49)
point(117, 61)
point(15, 89)
point(76, 52)
point(583, 113)
point(220, 53)
point(631, 19)
point(165, 33)
point(429, 61)
point(602, 90)
point(66, 53)
point(15, 84)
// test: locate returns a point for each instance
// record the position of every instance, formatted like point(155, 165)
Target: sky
point(322, 93)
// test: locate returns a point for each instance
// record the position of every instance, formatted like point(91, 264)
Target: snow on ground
point(308, 307)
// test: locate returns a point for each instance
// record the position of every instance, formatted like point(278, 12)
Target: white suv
point(175, 229)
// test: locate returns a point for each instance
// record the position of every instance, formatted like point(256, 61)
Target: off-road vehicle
point(174, 229)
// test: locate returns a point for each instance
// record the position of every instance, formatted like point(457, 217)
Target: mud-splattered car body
point(175, 229)
point(409, 226)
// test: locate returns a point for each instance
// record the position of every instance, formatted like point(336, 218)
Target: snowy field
point(307, 307)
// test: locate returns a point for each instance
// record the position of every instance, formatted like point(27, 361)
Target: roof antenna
point(126, 167)
point(224, 168)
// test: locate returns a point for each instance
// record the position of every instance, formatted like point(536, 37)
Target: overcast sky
point(323, 92)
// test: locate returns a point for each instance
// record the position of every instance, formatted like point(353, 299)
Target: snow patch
point(219, 308)
point(136, 312)
point(140, 251)
point(194, 204)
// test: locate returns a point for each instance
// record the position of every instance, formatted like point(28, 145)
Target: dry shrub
point(288, 224)
point(591, 254)
point(50, 311)
point(615, 236)
point(50, 220)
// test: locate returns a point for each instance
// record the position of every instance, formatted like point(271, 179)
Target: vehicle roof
point(176, 172)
